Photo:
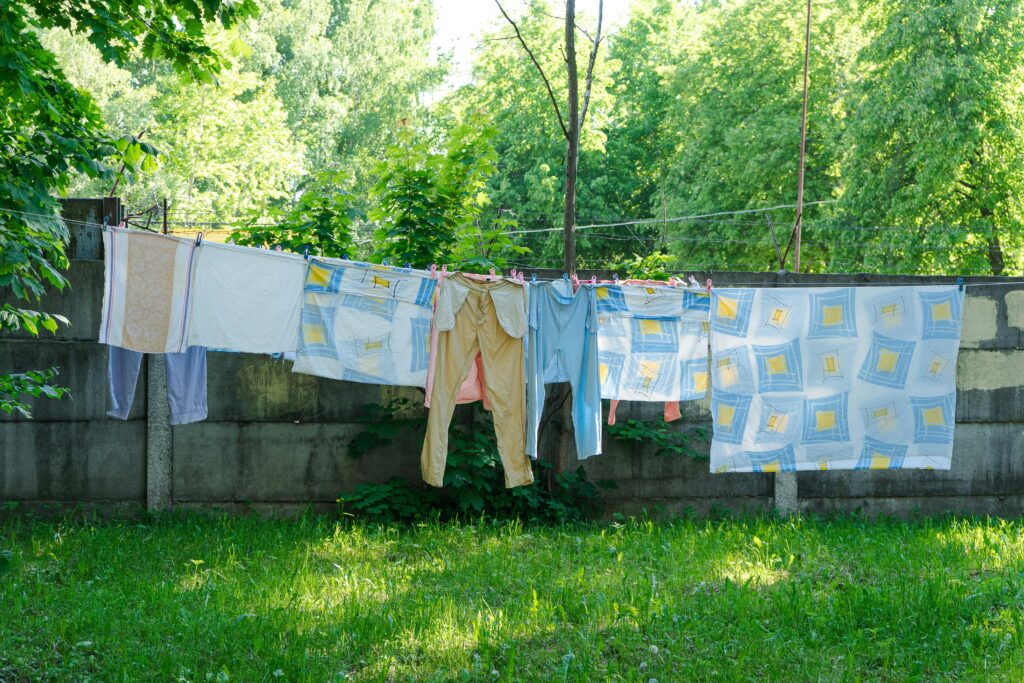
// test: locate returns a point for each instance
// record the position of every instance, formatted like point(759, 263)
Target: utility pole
point(799, 225)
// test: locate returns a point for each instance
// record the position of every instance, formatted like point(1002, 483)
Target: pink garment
point(473, 388)
point(672, 412)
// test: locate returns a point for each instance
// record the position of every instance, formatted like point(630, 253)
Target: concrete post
point(786, 501)
point(158, 435)
point(785, 493)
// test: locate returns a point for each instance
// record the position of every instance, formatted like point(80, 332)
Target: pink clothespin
point(433, 271)
point(575, 281)
point(593, 279)
point(709, 285)
point(522, 278)
point(444, 270)
point(672, 281)
point(493, 275)
point(278, 248)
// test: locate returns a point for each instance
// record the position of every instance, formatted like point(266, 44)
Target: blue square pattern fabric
point(653, 342)
point(365, 323)
point(834, 378)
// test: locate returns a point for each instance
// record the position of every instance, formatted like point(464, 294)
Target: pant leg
point(186, 385)
point(456, 352)
point(505, 378)
point(122, 377)
point(535, 390)
point(586, 393)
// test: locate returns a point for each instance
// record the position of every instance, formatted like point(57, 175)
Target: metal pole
point(798, 227)
point(165, 215)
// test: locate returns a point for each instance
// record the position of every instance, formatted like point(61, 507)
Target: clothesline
point(860, 376)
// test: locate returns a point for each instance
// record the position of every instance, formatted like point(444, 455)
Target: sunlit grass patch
point(247, 598)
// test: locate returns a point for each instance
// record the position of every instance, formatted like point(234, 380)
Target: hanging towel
point(246, 299)
point(834, 378)
point(653, 342)
point(146, 291)
point(365, 323)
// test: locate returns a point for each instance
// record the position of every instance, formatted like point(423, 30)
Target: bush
point(474, 482)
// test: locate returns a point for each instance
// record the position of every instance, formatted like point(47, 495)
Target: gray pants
point(186, 383)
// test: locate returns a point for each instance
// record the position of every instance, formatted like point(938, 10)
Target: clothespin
point(672, 281)
point(444, 270)
point(565, 276)
point(960, 284)
point(492, 273)
point(408, 265)
point(593, 279)
point(305, 254)
point(199, 240)
point(575, 281)
point(106, 222)
point(512, 273)
point(230, 241)
point(693, 282)
point(122, 225)
point(277, 248)
point(433, 271)
point(533, 279)
point(522, 278)
point(615, 277)
point(709, 285)
point(344, 257)
point(384, 262)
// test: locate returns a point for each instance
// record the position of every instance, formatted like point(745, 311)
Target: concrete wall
point(278, 441)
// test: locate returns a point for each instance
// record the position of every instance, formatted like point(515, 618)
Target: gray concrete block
point(81, 303)
point(73, 461)
point(910, 506)
point(83, 369)
point(988, 460)
point(265, 462)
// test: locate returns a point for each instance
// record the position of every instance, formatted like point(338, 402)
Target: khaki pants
point(475, 327)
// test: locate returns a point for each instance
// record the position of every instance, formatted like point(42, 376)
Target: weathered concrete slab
point(83, 369)
point(81, 303)
point(265, 462)
point(73, 461)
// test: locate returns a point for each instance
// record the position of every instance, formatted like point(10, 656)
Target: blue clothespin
point(344, 257)
point(384, 262)
point(306, 254)
point(408, 265)
point(960, 283)
point(615, 277)
point(533, 279)
point(565, 276)
point(199, 238)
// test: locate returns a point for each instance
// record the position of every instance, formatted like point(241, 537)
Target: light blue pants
point(563, 346)
point(186, 383)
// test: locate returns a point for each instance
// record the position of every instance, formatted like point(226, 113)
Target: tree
point(575, 117)
point(738, 100)
point(49, 130)
point(934, 138)
point(428, 204)
point(318, 220)
point(346, 72)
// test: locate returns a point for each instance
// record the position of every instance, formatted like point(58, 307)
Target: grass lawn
point(202, 598)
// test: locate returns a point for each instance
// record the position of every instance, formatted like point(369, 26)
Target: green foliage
point(643, 434)
point(426, 202)
point(50, 130)
point(319, 219)
point(33, 383)
point(474, 482)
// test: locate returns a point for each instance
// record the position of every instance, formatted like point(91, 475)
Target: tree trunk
point(573, 147)
point(995, 254)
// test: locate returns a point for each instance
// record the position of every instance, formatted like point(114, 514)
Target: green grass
point(246, 599)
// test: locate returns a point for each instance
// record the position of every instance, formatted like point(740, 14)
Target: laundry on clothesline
point(799, 378)
point(489, 319)
point(366, 323)
point(844, 378)
point(147, 278)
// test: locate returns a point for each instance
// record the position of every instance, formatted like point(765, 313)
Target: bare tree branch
point(540, 70)
point(590, 66)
